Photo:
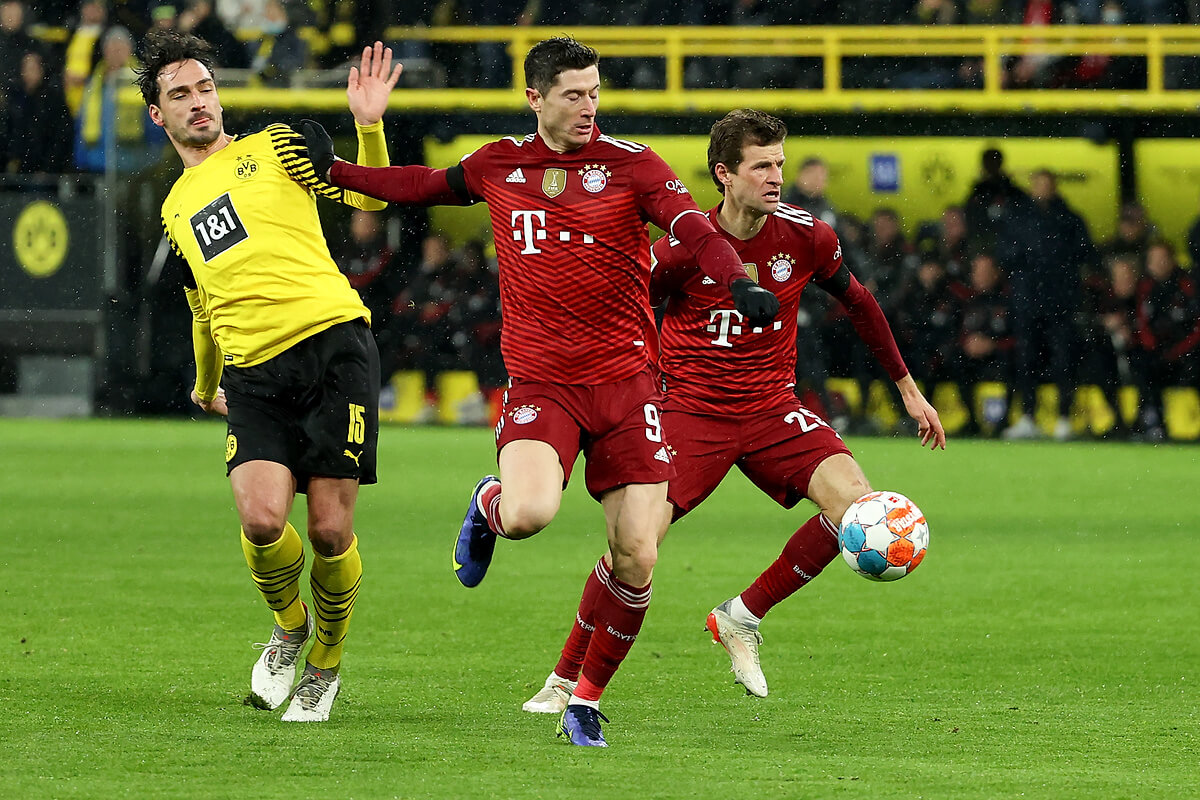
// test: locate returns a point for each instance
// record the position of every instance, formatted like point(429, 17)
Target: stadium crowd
point(1009, 287)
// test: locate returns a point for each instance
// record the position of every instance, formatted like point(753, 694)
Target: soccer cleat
point(314, 695)
point(741, 643)
point(476, 542)
point(581, 726)
point(551, 698)
point(275, 671)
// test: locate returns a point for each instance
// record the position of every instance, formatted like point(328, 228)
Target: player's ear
point(722, 173)
point(155, 115)
point(534, 98)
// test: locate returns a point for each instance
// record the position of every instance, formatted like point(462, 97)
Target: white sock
point(576, 701)
point(739, 612)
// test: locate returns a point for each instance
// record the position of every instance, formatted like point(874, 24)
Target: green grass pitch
point(1047, 647)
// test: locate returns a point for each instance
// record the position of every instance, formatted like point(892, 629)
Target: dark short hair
point(163, 47)
point(546, 59)
point(731, 133)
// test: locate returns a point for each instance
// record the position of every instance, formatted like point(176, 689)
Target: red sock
point(575, 648)
point(489, 500)
point(804, 556)
point(618, 613)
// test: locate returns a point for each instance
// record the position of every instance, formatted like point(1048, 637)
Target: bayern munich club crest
point(780, 267)
point(595, 177)
point(523, 415)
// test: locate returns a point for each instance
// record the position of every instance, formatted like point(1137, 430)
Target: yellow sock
point(334, 587)
point(276, 569)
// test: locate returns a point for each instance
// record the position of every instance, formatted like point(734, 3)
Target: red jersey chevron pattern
point(574, 252)
point(712, 362)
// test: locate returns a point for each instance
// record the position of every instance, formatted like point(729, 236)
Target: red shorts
point(617, 426)
point(777, 450)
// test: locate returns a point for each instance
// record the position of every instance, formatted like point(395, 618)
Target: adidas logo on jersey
point(662, 455)
point(516, 176)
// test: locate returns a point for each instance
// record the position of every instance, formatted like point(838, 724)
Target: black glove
point(755, 303)
point(320, 147)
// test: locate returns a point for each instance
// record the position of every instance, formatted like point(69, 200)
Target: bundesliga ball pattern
point(883, 536)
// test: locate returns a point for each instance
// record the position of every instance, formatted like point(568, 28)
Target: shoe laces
point(589, 720)
point(282, 653)
point(751, 638)
point(312, 687)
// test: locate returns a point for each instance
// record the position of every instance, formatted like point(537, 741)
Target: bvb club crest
point(246, 167)
point(554, 181)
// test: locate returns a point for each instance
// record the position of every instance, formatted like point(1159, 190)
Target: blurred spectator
point(1109, 318)
point(367, 261)
point(251, 14)
point(929, 324)
point(929, 72)
point(200, 20)
point(985, 344)
point(281, 53)
point(1134, 233)
point(494, 65)
point(1034, 70)
point(1168, 332)
point(423, 333)
point(35, 130)
point(991, 201)
point(15, 42)
point(475, 316)
point(1044, 256)
point(81, 50)
point(100, 117)
point(808, 191)
point(889, 260)
point(946, 240)
point(164, 16)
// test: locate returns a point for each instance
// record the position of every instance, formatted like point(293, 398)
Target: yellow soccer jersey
point(245, 220)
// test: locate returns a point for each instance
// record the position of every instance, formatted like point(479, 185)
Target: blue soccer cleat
point(581, 726)
point(476, 542)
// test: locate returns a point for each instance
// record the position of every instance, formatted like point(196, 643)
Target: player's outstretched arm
point(370, 83)
point(929, 424)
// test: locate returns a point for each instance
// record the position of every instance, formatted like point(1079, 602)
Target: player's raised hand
point(370, 84)
point(929, 424)
point(753, 302)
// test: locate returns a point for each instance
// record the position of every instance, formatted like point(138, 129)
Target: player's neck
point(739, 221)
point(193, 156)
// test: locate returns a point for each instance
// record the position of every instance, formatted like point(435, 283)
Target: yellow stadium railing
point(831, 45)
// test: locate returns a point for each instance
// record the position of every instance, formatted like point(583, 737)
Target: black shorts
point(313, 408)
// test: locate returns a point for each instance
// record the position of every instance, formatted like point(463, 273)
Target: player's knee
point(634, 564)
point(263, 525)
point(524, 518)
point(850, 491)
point(329, 540)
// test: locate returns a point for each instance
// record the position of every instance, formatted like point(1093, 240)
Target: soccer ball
point(883, 536)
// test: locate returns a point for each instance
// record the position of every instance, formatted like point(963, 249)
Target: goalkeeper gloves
point(320, 147)
point(753, 302)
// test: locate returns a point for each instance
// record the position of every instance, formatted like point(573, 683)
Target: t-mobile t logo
point(529, 227)
point(524, 230)
point(727, 322)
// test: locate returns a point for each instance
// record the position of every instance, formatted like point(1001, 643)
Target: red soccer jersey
point(713, 363)
point(574, 252)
